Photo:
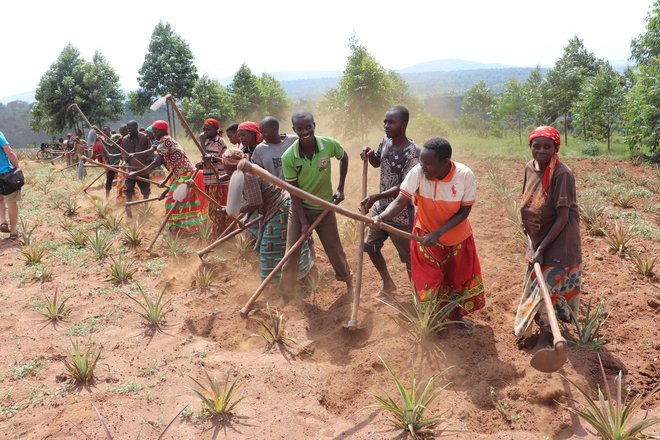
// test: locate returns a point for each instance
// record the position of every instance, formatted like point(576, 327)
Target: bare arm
point(371, 156)
point(394, 208)
point(369, 201)
point(11, 155)
point(343, 170)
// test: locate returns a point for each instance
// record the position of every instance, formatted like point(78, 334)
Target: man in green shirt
point(306, 164)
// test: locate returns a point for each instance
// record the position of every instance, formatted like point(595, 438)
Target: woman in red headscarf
point(189, 214)
point(551, 220)
point(212, 162)
point(249, 136)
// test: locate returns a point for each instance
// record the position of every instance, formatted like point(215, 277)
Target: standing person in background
point(249, 136)
point(136, 145)
point(8, 202)
point(111, 156)
point(232, 134)
point(396, 156)
point(307, 165)
point(445, 265)
point(215, 146)
point(551, 220)
point(268, 154)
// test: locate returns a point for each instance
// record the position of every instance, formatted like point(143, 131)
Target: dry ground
point(321, 385)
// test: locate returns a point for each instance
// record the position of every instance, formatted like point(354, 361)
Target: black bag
point(11, 181)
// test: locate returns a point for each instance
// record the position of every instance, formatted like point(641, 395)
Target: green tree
point(103, 97)
point(209, 100)
point(512, 108)
point(363, 93)
point(58, 88)
point(273, 99)
point(600, 103)
point(533, 88)
point(642, 114)
point(71, 80)
point(168, 68)
point(477, 107)
point(245, 95)
point(565, 80)
point(647, 45)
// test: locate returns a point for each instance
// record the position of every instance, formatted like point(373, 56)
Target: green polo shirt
point(313, 175)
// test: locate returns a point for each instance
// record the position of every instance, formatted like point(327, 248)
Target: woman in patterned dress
point(190, 213)
point(551, 219)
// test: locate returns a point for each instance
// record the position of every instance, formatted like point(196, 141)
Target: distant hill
point(424, 84)
point(449, 65)
point(25, 97)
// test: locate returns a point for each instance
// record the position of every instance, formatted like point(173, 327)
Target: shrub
point(410, 414)
point(152, 311)
point(80, 364)
point(121, 270)
point(613, 420)
point(618, 237)
point(55, 310)
point(218, 399)
point(273, 329)
point(591, 149)
point(588, 327)
point(645, 263)
point(426, 318)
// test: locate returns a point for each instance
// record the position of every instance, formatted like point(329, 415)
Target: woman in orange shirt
point(445, 265)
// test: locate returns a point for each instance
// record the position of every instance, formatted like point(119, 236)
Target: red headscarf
point(553, 134)
point(213, 122)
point(161, 125)
point(251, 126)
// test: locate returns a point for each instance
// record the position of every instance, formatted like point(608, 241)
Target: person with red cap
point(212, 162)
point(249, 136)
point(551, 220)
point(189, 214)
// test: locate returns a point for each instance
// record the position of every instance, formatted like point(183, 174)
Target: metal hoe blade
point(180, 193)
point(158, 103)
point(235, 192)
point(91, 137)
point(548, 360)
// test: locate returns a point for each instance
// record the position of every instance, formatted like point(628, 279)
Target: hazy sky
point(290, 35)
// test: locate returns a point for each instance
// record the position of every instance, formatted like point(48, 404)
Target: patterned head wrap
point(161, 125)
point(545, 131)
point(251, 126)
point(232, 156)
point(553, 134)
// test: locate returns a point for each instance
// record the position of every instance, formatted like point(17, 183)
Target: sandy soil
point(321, 385)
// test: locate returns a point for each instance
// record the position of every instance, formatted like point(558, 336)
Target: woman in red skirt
point(445, 265)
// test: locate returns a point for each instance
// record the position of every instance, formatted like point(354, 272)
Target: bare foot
point(388, 289)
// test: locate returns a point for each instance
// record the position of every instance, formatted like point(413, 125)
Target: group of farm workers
point(422, 191)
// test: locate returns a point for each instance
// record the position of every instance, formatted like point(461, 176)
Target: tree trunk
point(609, 133)
point(566, 129)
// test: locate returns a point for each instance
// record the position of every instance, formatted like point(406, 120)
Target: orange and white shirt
point(437, 200)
